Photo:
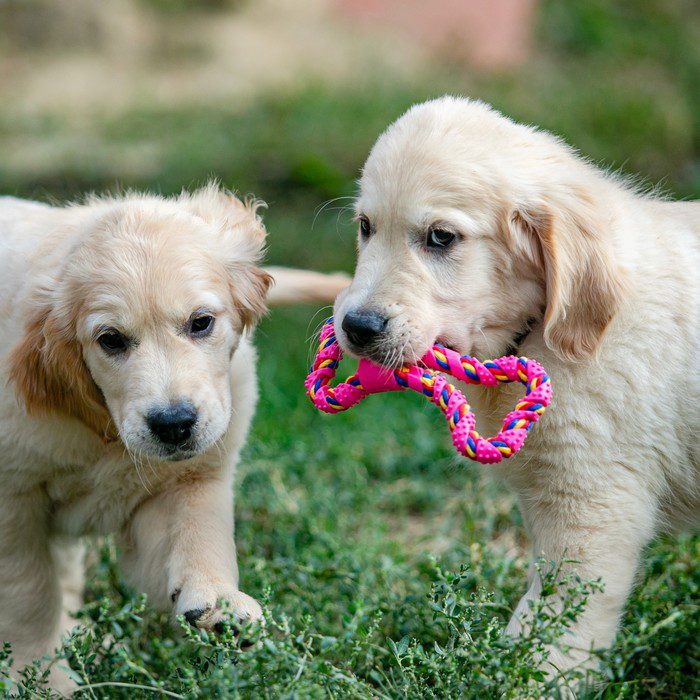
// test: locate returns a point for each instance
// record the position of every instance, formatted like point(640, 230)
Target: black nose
point(173, 425)
point(362, 327)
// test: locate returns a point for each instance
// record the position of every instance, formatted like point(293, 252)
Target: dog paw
point(208, 608)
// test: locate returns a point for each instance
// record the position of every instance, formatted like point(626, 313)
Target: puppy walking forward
point(128, 386)
point(492, 237)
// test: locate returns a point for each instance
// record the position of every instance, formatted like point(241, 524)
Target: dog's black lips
point(180, 455)
point(519, 338)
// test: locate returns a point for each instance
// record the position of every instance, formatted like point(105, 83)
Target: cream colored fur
point(610, 277)
point(76, 456)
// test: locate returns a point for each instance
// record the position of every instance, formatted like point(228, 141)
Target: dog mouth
point(391, 357)
point(143, 447)
point(393, 354)
point(394, 348)
point(165, 453)
point(180, 452)
point(180, 455)
point(190, 449)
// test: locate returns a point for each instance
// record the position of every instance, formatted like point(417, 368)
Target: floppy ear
point(249, 285)
point(583, 284)
point(50, 375)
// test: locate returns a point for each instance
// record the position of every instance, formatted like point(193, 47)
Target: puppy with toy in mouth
point(497, 238)
point(128, 386)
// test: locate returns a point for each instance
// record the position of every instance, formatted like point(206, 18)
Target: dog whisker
point(326, 204)
point(136, 459)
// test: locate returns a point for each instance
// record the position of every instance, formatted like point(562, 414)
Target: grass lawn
point(387, 567)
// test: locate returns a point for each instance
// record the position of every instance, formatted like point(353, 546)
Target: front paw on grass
point(226, 617)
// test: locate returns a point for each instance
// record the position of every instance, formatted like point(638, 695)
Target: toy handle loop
point(372, 378)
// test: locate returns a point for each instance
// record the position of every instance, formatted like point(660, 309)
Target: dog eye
point(113, 342)
point(439, 238)
point(201, 326)
point(365, 228)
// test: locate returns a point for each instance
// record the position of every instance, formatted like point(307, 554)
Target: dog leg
point(604, 533)
point(518, 620)
point(69, 558)
point(183, 554)
point(30, 593)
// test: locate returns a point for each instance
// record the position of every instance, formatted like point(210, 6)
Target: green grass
point(388, 568)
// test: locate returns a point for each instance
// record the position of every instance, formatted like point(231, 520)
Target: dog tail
point(293, 286)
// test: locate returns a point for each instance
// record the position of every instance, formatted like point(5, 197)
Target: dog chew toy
point(372, 378)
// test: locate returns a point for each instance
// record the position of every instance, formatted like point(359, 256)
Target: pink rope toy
point(372, 378)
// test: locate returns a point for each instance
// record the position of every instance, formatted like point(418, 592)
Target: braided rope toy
point(372, 378)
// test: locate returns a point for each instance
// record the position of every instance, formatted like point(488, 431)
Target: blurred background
point(284, 98)
point(338, 518)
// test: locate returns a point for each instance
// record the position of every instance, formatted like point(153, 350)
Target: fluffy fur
point(607, 280)
point(78, 457)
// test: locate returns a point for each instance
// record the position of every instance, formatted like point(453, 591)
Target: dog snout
point(173, 425)
point(362, 327)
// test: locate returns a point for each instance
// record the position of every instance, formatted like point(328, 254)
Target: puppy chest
point(99, 500)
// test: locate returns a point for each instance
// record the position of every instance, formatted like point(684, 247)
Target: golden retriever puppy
point(494, 238)
point(128, 386)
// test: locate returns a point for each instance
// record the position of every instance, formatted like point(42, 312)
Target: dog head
point(134, 334)
point(469, 226)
